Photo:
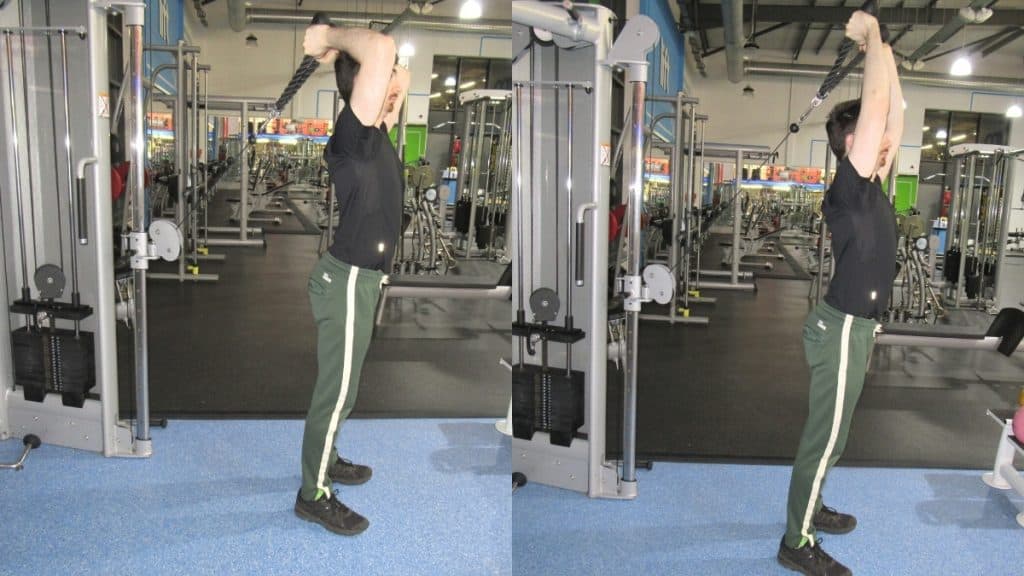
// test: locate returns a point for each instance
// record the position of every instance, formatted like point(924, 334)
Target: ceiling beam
point(1002, 42)
point(948, 30)
point(803, 36)
point(975, 46)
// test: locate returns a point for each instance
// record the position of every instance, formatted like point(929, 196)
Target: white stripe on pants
point(837, 420)
point(346, 376)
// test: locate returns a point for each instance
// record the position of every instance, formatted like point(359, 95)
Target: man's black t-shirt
point(863, 228)
point(367, 177)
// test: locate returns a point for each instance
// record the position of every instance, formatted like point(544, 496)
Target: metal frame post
point(823, 234)
point(637, 83)
point(474, 175)
point(966, 208)
point(737, 223)
point(135, 127)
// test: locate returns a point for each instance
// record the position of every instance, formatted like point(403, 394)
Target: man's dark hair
point(841, 122)
point(345, 69)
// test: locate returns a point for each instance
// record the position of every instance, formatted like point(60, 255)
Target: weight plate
point(50, 281)
point(545, 304)
point(166, 239)
point(659, 281)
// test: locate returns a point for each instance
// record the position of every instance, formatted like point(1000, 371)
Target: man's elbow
point(385, 48)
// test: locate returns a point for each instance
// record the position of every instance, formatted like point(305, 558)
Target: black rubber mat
point(245, 346)
point(736, 390)
point(785, 268)
point(298, 222)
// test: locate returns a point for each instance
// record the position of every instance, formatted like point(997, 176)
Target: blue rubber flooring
point(217, 498)
point(719, 519)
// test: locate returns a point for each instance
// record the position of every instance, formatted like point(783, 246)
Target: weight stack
point(54, 360)
point(483, 236)
point(462, 210)
point(951, 265)
point(565, 405)
point(546, 400)
point(525, 382)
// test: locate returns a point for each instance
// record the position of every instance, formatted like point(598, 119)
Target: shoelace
point(820, 555)
point(336, 506)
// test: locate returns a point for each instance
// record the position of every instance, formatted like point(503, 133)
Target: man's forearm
point(363, 44)
point(894, 122)
point(875, 91)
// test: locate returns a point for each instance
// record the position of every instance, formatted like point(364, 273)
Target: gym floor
point(720, 411)
point(216, 497)
point(720, 519)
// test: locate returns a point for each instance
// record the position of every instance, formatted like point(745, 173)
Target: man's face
point(394, 91)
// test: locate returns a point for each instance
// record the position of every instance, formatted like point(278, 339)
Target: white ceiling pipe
point(363, 20)
point(991, 83)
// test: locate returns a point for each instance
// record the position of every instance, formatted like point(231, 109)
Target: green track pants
point(344, 299)
point(837, 347)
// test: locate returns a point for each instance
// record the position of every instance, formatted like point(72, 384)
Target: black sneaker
point(810, 560)
point(833, 522)
point(345, 472)
point(330, 513)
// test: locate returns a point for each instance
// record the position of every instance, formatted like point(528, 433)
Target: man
point(345, 285)
point(839, 334)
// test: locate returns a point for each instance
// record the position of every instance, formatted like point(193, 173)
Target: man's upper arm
point(371, 83)
point(894, 136)
point(867, 139)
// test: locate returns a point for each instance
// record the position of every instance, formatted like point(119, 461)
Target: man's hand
point(315, 43)
point(861, 28)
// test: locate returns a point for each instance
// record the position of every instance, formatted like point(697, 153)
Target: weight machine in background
point(484, 173)
point(561, 120)
point(978, 232)
point(48, 376)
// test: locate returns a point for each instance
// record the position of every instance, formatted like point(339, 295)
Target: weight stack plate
point(566, 405)
point(54, 360)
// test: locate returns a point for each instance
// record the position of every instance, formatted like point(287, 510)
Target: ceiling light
point(941, 134)
point(450, 91)
point(958, 138)
point(904, 104)
point(470, 10)
point(927, 147)
point(467, 85)
point(407, 50)
point(251, 41)
point(961, 67)
point(748, 91)
point(925, 128)
point(449, 81)
point(435, 95)
point(1014, 111)
point(433, 76)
